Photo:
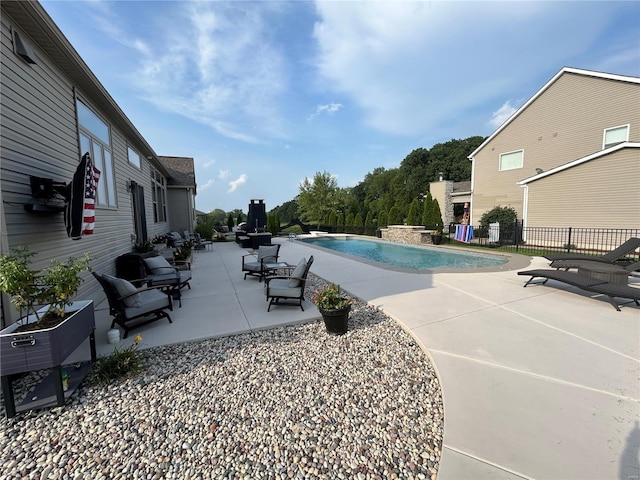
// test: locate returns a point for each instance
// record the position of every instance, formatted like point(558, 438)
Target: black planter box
point(46, 348)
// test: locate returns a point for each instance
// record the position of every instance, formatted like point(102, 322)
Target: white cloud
point(209, 183)
point(208, 164)
point(329, 109)
point(238, 182)
point(414, 67)
point(224, 174)
point(501, 115)
point(221, 70)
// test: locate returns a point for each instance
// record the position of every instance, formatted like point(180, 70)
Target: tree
point(368, 224)
point(395, 217)
point(382, 220)
point(436, 215)
point(333, 219)
point(427, 211)
point(415, 215)
point(239, 219)
point(230, 222)
point(318, 198)
point(288, 211)
point(357, 223)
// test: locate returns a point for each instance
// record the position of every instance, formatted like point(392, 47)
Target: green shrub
point(503, 215)
point(121, 363)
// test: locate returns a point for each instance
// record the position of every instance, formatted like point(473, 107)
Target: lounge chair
point(567, 264)
point(133, 307)
point(288, 287)
point(584, 282)
point(160, 273)
point(626, 248)
point(266, 254)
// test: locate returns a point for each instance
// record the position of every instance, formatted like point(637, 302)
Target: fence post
point(569, 241)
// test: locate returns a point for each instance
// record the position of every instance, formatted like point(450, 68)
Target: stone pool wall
point(410, 234)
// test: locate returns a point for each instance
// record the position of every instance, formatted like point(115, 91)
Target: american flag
point(92, 175)
point(79, 213)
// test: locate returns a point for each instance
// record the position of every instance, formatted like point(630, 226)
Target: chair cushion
point(265, 251)
point(279, 287)
point(252, 266)
point(149, 301)
point(159, 265)
point(298, 272)
point(124, 287)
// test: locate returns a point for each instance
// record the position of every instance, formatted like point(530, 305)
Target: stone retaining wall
point(411, 234)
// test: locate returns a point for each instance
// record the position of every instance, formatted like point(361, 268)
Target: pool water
point(407, 256)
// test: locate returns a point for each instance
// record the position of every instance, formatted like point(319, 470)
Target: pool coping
point(515, 261)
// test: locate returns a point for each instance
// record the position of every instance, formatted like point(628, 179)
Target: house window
point(159, 196)
point(134, 158)
point(95, 139)
point(615, 135)
point(512, 160)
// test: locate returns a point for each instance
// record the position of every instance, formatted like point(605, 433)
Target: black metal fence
point(588, 241)
point(530, 240)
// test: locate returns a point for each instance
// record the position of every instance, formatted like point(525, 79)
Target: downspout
point(4, 249)
point(525, 208)
point(473, 170)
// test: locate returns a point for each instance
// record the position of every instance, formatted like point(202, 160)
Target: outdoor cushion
point(148, 301)
point(297, 272)
point(159, 265)
point(265, 251)
point(124, 288)
point(281, 287)
point(252, 266)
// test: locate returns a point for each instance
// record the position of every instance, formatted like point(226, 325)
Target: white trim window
point(615, 135)
point(133, 156)
point(511, 160)
point(95, 138)
point(158, 196)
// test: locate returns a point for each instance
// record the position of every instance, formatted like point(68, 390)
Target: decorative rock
point(290, 402)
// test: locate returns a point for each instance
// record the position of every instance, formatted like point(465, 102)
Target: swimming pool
point(407, 256)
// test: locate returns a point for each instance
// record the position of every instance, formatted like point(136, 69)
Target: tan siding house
point(48, 95)
point(588, 192)
point(567, 120)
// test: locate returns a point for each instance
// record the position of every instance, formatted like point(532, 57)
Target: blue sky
point(263, 94)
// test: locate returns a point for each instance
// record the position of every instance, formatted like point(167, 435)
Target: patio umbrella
point(79, 214)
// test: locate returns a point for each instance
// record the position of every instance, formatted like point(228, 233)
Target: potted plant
point(436, 235)
point(334, 308)
point(51, 324)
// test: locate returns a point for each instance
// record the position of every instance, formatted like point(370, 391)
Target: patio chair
point(625, 249)
point(266, 254)
point(288, 287)
point(585, 282)
point(160, 273)
point(133, 307)
point(201, 244)
point(174, 239)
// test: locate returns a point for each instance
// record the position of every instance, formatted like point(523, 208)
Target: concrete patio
point(538, 382)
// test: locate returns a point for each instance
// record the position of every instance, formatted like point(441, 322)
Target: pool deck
point(538, 382)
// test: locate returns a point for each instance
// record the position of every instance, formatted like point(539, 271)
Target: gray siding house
point(181, 193)
point(53, 110)
point(568, 157)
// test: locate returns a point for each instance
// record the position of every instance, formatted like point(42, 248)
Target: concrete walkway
point(538, 382)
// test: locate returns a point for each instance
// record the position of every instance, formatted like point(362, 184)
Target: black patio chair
point(133, 307)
